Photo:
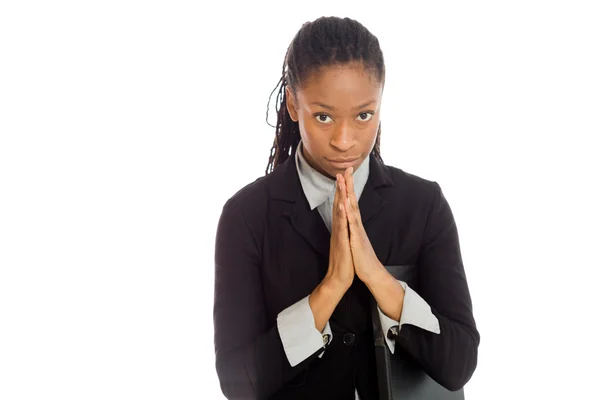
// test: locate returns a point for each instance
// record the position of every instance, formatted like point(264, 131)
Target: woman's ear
point(290, 103)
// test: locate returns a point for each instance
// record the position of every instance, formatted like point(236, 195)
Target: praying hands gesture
point(350, 255)
point(366, 264)
point(387, 291)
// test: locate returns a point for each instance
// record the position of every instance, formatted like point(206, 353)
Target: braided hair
point(323, 42)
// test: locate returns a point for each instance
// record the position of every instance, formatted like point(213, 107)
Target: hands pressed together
point(351, 252)
point(350, 255)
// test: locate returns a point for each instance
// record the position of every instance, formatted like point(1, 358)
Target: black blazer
point(272, 251)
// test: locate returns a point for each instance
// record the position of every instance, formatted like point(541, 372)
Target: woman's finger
point(351, 209)
point(341, 207)
point(336, 203)
point(355, 218)
point(349, 178)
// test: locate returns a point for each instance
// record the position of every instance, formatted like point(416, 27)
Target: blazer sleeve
point(450, 357)
point(250, 359)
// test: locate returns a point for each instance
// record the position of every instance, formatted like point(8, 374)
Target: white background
point(125, 126)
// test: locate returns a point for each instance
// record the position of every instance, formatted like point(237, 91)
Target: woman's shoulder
point(256, 194)
point(407, 182)
point(244, 210)
point(251, 200)
point(249, 196)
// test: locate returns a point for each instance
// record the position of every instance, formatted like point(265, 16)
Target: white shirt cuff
point(299, 336)
point(327, 336)
point(415, 311)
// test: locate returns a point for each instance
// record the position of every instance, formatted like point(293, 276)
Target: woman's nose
point(343, 137)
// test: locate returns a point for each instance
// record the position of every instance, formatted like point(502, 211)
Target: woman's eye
point(365, 116)
point(323, 118)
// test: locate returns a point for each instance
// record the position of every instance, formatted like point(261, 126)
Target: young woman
point(303, 252)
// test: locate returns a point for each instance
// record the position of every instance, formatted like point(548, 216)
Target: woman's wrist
point(324, 299)
point(335, 285)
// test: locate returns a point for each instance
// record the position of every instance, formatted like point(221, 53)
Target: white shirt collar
point(317, 187)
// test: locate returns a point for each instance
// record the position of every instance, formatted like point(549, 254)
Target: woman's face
point(337, 110)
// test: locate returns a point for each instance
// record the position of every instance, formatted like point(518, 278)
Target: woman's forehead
point(344, 86)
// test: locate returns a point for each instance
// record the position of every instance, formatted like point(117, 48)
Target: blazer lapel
point(287, 190)
point(372, 201)
point(309, 225)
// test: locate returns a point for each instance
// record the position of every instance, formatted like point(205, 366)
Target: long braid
point(323, 42)
point(287, 131)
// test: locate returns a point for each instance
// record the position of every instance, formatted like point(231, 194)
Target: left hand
point(366, 264)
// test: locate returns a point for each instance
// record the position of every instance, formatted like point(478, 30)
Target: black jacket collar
point(285, 187)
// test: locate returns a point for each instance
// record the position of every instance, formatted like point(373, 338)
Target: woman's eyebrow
point(318, 103)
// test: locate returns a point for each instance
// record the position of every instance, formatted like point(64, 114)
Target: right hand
point(341, 267)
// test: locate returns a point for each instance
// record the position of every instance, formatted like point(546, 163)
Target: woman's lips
point(343, 163)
